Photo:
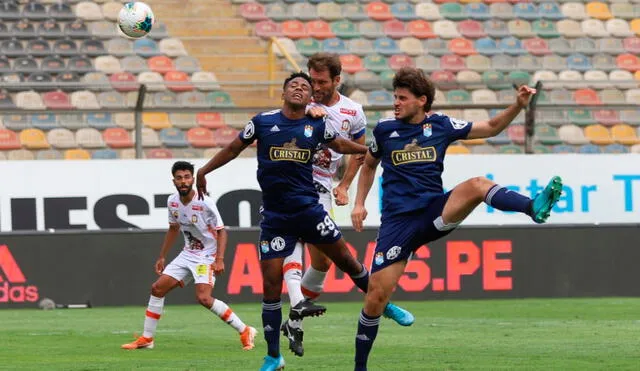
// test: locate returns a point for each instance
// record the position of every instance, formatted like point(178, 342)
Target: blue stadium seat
point(563, 148)
point(579, 62)
point(527, 11)
point(100, 121)
point(478, 11)
point(146, 48)
point(385, 46)
point(45, 121)
point(104, 154)
point(173, 137)
point(335, 45)
point(589, 149)
point(487, 46)
point(403, 11)
point(550, 11)
point(380, 98)
point(511, 45)
point(500, 139)
point(615, 148)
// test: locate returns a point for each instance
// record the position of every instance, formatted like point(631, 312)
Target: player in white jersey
point(201, 259)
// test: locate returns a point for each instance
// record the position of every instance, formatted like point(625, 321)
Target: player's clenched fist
point(358, 215)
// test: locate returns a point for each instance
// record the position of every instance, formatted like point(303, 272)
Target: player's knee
point(479, 186)
point(321, 263)
point(272, 288)
point(376, 300)
point(157, 290)
point(205, 300)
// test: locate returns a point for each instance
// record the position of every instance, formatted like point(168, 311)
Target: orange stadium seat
point(421, 29)
point(161, 64)
point(294, 29)
point(201, 137)
point(9, 140)
point(177, 81)
point(462, 46)
point(319, 29)
point(586, 97)
point(225, 136)
point(117, 138)
point(456, 149)
point(628, 62)
point(351, 63)
point(395, 29)
point(210, 120)
point(379, 11)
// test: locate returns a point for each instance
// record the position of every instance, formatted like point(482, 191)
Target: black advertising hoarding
point(116, 267)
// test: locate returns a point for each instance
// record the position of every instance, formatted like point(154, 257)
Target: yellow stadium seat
point(635, 26)
point(473, 142)
point(33, 139)
point(598, 134)
point(156, 120)
point(598, 10)
point(637, 75)
point(77, 154)
point(457, 150)
point(624, 134)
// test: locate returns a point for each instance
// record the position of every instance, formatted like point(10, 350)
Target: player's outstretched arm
point(492, 127)
point(169, 239)
point(228, 153)
point(365, 181)
point(346, 146)
point(341, 191)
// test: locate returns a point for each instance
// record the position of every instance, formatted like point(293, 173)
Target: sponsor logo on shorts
point(393, 252)
point(379, 259)
point(277, 244)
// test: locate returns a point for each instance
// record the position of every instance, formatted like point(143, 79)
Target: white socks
point(222, 310)
point(154, 311)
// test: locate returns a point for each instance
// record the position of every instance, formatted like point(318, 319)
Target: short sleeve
point(374, 148)
point(328, 135)
point(359, 125)
point(456, 129)
point(172, 213)
point(213, 215)
point(248, 134)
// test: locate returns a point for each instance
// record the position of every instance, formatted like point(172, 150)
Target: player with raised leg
point(202, 258)
point(291, 211)
point(415, 209)
point(346, 118)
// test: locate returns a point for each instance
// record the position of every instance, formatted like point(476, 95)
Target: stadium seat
point(580, 117)
point(156, 120)
point(598, 10)
point(545, 29)
point(520, 28)
point(253, 12)
point(186, 64)
point(574, 10)
point(604, 62)
point(457, 149)
point(530, 63)
point(563, 149)
point(177, 81)
point(150, 138)
point(623, 11)
point(483, 149)
point(267, 29)
point(598, 134)
point(44, 121)
point(385, 46)
point(444, 79)
point(526, 10)
point(108, 64)
point(9, 140)
point(452, 62)
point(190, 153)
point(624, 134)
point(606, 117)
point(612, 96)
point(29, 100)
point(351, 63)
point(635, 26)
point(458, 96)
point(487, 46)
point(437, 47)
point(344, 29)
point(379, 11)
point(100, 121)
point(89, 138)
point(224, 136)
point(483, 96)
point(446, 29)
point(210, 120)
point(584, 45)
point(480, 63)
point(462, 46)
point(112, 99)
point(428, 63)
point(536, 46)
point(88, 11)
point(56, 100)
point(632, 96)
point(618, 28)
point(146, 48)
point(453, 11)
point(165, 99)
point(104, 154)
point(159, 153)
point(579, 62)
point(380, 98)
point(334, 45)
point(193, 99)
point(510, 149)
point(49, 154)
point(77, 154)
point(428, 11)
point(471, 29)
point(161, 64)
point(609, 45)
point(501, 10)
point(25, 65)
point(367, 80)
point(330, 11)
point(354, 12)
point(632, 45)
point(629, 62)
point(371, 29)
point(554, 62)
point(594, 28)
point(395, 29)
point(200, 137)
point(219, 99)
point(124, 82)
point(205, 81)
point(478, 11)
point(319, 29)
point(403, 11)
point(495, 80)
point(547, 135)
point(33, 139)
point(615, 148)
point(152, 80)
point(117, 138)
point(359, 97)
point(496, 28)
point(173, 137)
point(511, 46)
point(572, 134)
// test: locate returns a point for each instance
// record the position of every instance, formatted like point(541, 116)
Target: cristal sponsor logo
point(13, 287)
point(290, 152)
point(412, 152)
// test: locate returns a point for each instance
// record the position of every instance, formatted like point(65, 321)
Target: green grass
point(532, 334)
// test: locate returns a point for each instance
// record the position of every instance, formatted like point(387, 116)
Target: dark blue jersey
point(285, 156)
point(412, 158)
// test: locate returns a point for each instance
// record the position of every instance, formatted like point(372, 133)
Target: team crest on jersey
point(264, 246)
point(249, 130)
point(175, 214)
point(379, 259)
point(345, 125)
point(308, 131)
point(194, 219)
point(412, 152)
point(290, 152)
point(426, 130)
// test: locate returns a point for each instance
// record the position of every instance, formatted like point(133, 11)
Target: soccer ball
point(136, 19)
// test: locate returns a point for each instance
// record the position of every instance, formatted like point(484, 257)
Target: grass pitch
point(531, 334)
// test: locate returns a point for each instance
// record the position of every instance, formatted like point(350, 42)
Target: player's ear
point(337, 79)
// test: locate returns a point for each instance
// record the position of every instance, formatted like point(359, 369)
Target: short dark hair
point(181, 165)
point(326, 62)
point(417, 83)
point(294, 76)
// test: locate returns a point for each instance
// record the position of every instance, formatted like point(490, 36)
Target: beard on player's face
point(183, 187)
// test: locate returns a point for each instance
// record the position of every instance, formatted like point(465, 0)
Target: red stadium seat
point(536, 46)
point(253, 12)
point(319, 29)
point(452, 62)
point(225, 136)
point(471, 29)
point(201, 137)
point(379, 11)
point(294, 30)
point(516, 133)
point(159, 153)
point(117, 138)
point(462, 46)
point(57, 100)
point(444, 79)
point(586, 96)
point(210, 120)
point(351, 63)
point(396, 62)
point(421, 29)
point(161, 64)
point(607, 117)
point(177, 81)
point(395, 29)
point(9, 140)
point(124, 81)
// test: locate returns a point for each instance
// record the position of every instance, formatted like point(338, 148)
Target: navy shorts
point(400, 235)
point(280, 233)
